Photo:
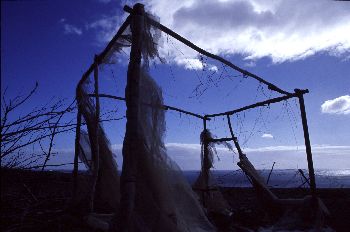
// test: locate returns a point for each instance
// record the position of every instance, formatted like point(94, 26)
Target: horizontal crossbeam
point(165, 107)
point(220, 140)
point(258, 104)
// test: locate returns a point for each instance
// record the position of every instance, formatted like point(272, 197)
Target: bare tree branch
point(37, 128)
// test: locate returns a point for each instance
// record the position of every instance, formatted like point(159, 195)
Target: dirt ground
point(39, 201)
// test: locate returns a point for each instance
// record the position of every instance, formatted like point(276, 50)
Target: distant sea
point(280, 178)
point(287, 178)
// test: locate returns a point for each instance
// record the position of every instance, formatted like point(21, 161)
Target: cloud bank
point(339, 105)
point(187, 156)
point(286, 157)
point(281, 30)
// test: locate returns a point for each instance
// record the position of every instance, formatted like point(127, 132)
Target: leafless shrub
point(20, 132)
point(27, 139)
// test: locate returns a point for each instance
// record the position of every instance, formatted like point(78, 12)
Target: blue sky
point(290, 44)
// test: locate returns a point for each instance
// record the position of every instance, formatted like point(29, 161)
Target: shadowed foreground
point(39, 201)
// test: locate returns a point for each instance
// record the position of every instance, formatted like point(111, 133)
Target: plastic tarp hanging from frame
point(163, 200)
point(108, 184)
point(108, 189)
point(206, 185)
point(160, 198)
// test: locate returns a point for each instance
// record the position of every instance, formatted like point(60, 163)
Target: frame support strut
point(164, 107)
point(307, 142)
point(258, 104)
point(96, 155)
point(76, 156)
point(103, 54)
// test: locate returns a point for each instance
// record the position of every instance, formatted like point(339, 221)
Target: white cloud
point(267, 136)
point(250, 64)
point(281, 30)
point(213, 68)
point(331, 149)
point(71, 29)
point(191, 64)
point(339, 105)
point(105, 27)
point(195, 64)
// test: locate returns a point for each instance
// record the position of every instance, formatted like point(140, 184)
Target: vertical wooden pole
point(205, 162)
point(76, 155)
point(268, 178)
point(235, 141)
point(307, 142)
point(131, 145)
point(96, 154)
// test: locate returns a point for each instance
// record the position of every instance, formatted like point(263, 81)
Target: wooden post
point(76, 155)
point(205, 162)
point(96, 154)
point(307, 142)
point(204, 123)
point(235, 141)
point(131, 145)
point(268, 178)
